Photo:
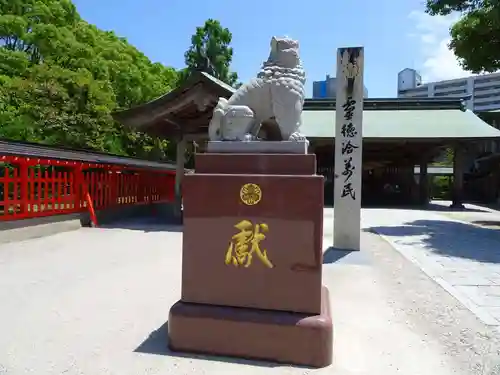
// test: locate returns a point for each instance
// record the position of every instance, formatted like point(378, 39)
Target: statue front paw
point(297, 137)
point(237, 123)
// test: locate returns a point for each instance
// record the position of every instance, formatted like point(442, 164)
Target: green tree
point(210, 52)
point(475, 37)
point(61, 77)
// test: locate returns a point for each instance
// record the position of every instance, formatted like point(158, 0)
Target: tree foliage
point(210, 52)
point(475, 37)
point(61, 77)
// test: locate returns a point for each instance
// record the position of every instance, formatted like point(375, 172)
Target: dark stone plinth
point(292, 209)
point(284, 337)
point(256, 164)
point(258, 147)
point(252, 260)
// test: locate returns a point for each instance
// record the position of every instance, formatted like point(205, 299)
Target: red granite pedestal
point(252, 261)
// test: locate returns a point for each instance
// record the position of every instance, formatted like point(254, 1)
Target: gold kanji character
point(245, 244)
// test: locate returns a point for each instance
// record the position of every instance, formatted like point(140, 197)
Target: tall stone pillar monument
point(348, 148)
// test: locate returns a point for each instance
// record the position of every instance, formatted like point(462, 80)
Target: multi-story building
point(481, 95)
point(328, 88)
point(483, 91)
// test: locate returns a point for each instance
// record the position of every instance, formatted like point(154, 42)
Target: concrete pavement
point(95, 301)
point(454, 248)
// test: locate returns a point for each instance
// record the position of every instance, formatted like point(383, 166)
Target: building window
point(484, 96)
point(450, 93)
point(416, 89)
point(487, 78)
point(442, 86)
point(485, 106)
point(418, 96)
point(486, 88)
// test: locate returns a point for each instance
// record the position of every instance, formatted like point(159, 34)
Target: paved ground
point(95, 301)
point(463, 258)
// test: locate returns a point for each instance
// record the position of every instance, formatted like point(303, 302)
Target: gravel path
point(95, 301)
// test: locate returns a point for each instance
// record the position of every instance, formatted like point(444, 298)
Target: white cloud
point(432, 34)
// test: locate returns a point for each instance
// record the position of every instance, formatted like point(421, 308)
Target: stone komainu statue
point(273, 100)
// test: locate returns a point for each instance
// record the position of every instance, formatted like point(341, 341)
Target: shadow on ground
point(449, 238)
point(428, 207)
point(334, 255)
point(492, 224)
point(144, 224)
point(443, 208)
point(157, 344)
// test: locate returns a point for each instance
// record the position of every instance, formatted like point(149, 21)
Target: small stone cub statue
point(276, 95)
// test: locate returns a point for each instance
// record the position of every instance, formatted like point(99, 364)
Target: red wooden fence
point(32, 187)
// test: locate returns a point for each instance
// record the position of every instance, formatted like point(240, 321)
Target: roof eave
point(41, 151)
point(390, 104)
point(128, 117)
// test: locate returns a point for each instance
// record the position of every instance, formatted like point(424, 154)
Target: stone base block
point(257, 147)
point(277, 336)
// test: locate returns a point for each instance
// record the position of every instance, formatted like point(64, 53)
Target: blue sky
point(395, 33)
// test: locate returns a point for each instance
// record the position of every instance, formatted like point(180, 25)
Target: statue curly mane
point(270, 71)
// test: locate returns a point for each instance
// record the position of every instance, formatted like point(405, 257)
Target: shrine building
point(399, 136)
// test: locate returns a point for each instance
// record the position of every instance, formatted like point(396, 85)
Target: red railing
point(32, 187)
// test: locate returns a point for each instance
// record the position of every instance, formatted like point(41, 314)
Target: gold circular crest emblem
point(250, 194)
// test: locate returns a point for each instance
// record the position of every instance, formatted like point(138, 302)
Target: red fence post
point(78, 187)
point(24, 190)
